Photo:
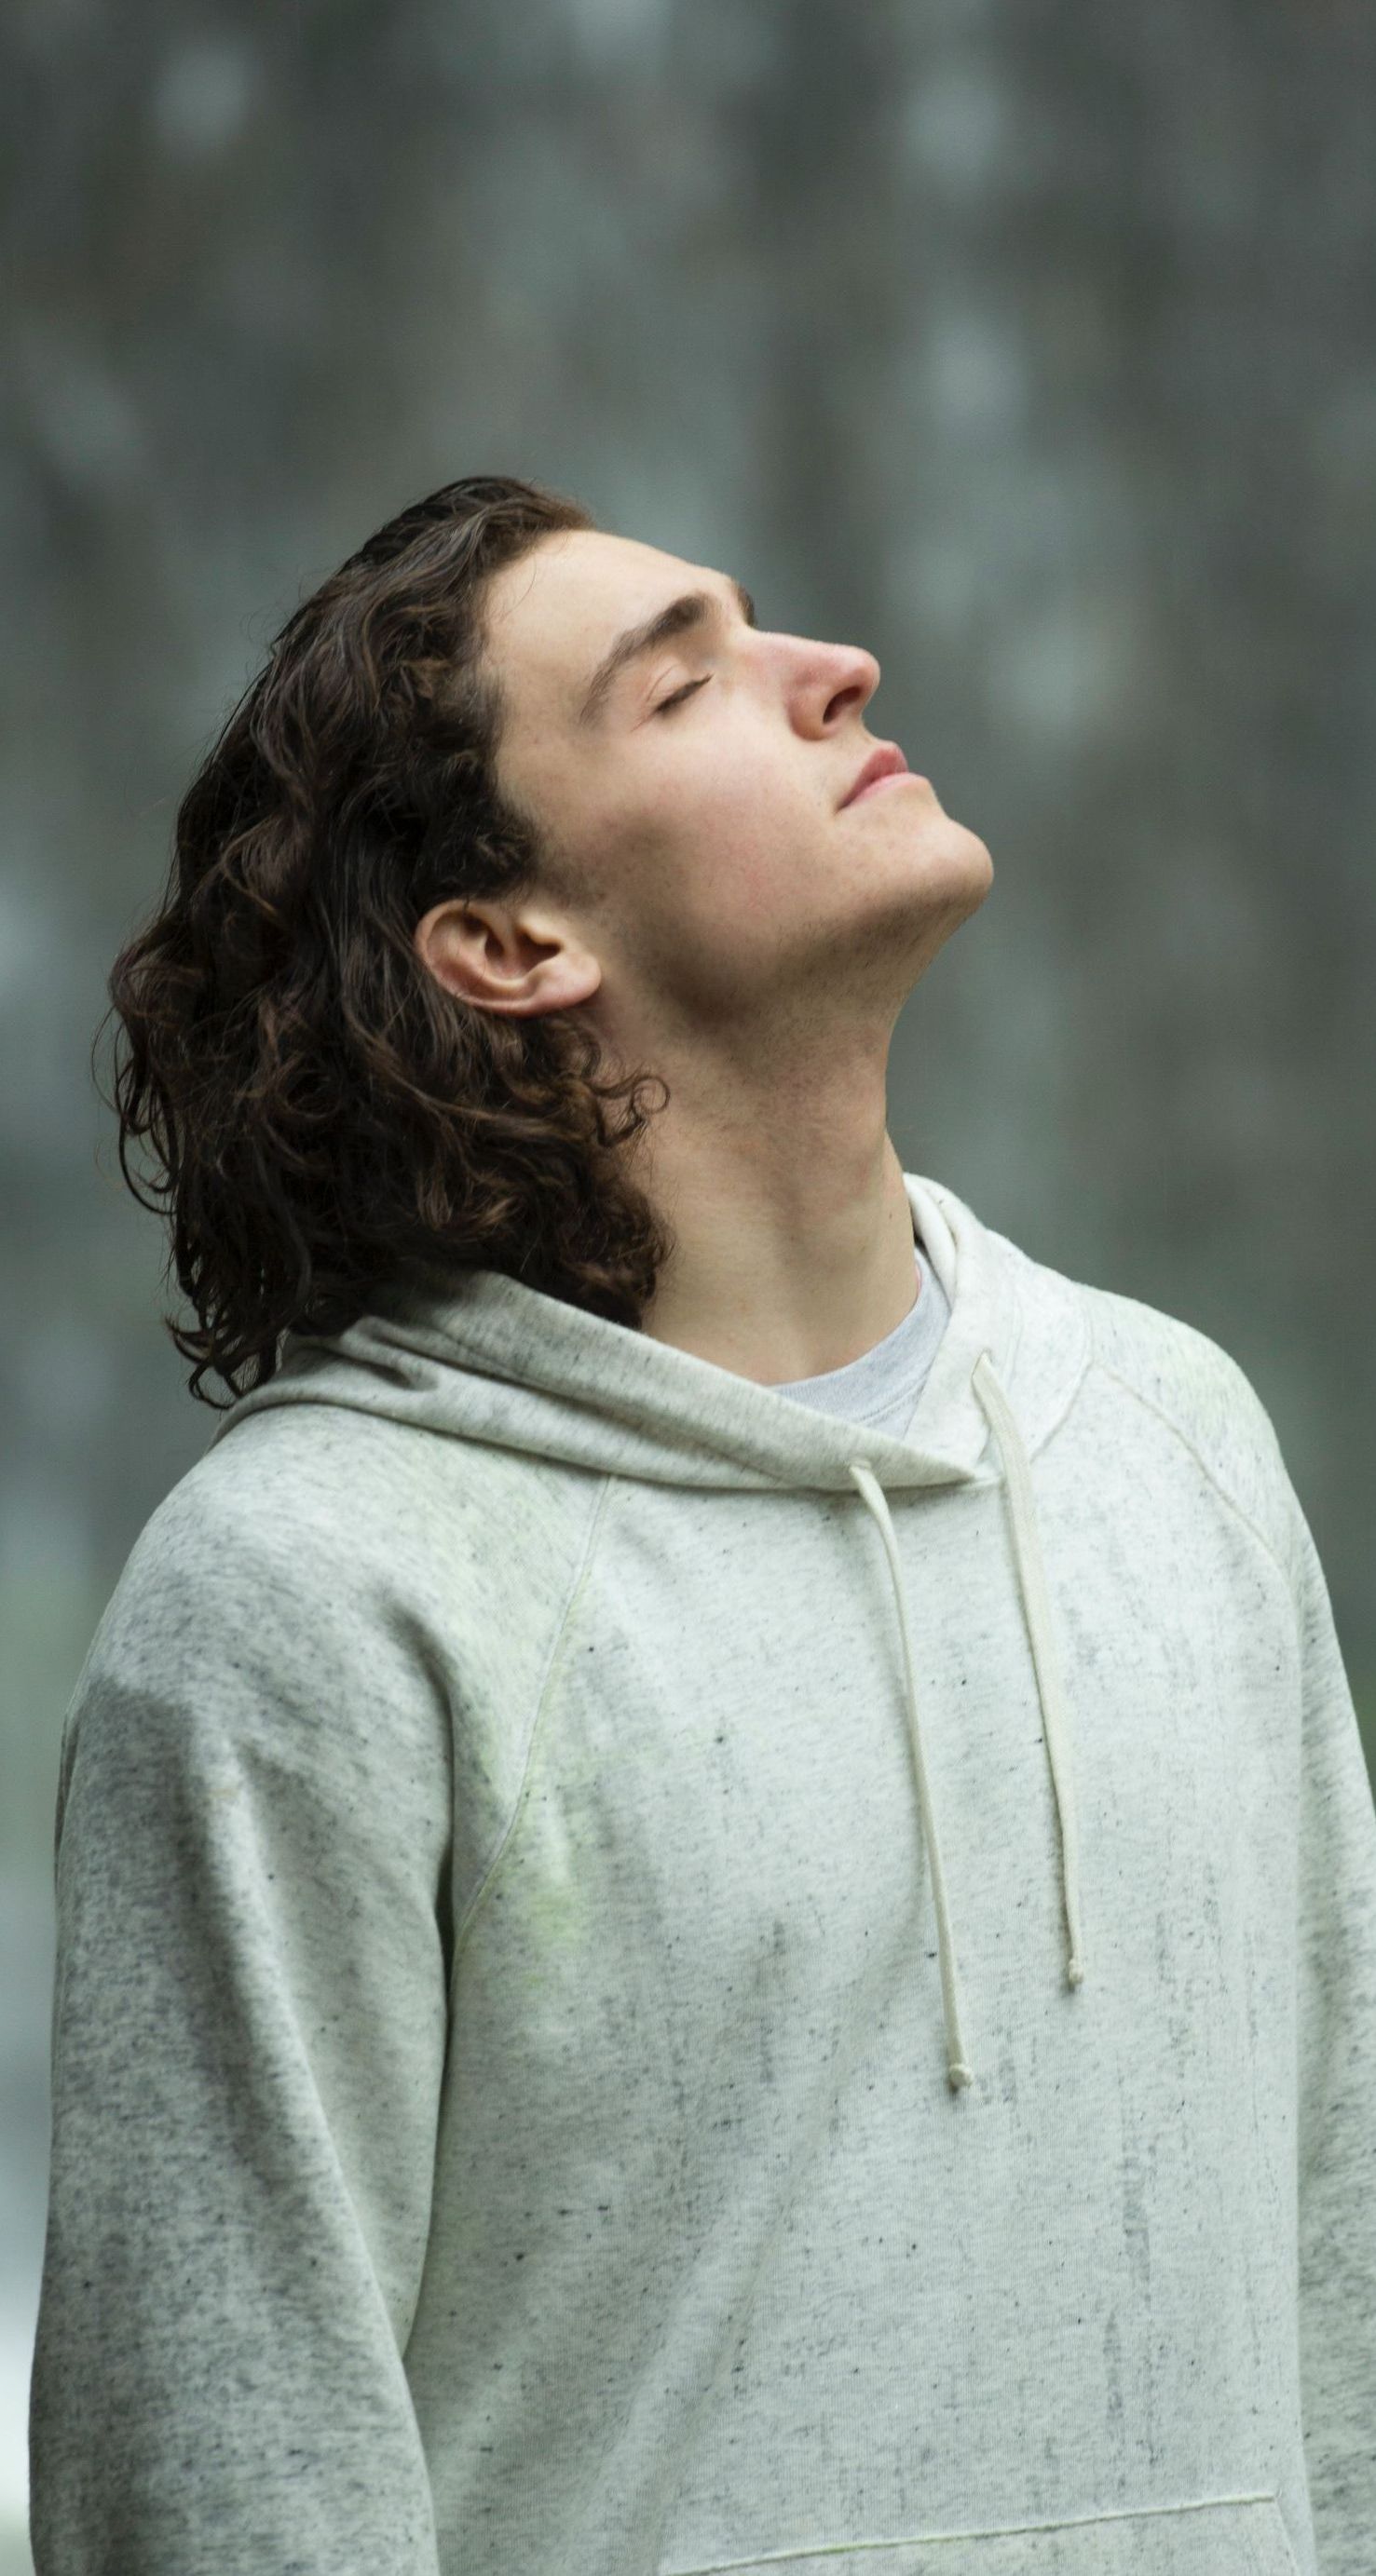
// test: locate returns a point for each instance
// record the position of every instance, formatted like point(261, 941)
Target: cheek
point(733, 806)
point(704, 829)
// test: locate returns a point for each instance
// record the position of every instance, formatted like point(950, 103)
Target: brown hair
point(325, 1117)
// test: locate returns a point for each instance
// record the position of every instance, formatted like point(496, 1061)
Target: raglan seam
point(542, 1697)
point(1206, 1469)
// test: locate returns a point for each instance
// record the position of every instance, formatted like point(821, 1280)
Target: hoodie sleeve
point(1336, 1973)
point(248, 2036)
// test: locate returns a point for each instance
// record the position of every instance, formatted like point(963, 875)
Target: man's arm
point(248, 2039)
point(1337, 2091)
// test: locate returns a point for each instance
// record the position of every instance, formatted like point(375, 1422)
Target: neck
point(794, 1238)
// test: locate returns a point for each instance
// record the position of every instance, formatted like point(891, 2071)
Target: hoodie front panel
point(703, 2190)
point(572, 2051)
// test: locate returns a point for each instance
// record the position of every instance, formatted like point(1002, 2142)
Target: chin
point(954, 846)
point(980, 852)
point(968, 850)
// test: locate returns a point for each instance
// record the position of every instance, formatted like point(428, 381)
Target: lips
point(886, 762)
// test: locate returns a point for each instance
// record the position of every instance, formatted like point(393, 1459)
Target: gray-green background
point(1030, 345)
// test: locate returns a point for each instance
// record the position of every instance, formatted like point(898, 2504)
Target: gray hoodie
point(651, 1982)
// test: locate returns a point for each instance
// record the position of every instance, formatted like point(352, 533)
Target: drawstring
point(1036, 1601)
point(1050, 1686)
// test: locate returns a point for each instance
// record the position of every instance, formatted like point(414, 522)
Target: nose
point(842, 682)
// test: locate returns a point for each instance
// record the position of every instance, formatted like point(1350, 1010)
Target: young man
point(716, 1881)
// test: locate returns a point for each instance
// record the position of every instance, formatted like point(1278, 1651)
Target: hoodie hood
point(496, 1361)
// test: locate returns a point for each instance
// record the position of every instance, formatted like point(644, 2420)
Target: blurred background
point(1031, 345)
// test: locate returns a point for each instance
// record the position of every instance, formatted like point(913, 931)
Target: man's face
point(699, 804)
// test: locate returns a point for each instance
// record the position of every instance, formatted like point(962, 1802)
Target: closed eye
point(680, 694)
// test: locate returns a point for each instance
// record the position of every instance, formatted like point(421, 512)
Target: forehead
point(550, 617)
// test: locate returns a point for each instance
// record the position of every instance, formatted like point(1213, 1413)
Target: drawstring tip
point(959, 2073)
point(1076, 1970)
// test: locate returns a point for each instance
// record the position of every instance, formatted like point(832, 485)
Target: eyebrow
point(695, 608)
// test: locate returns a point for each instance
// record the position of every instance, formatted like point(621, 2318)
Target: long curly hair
point(324, 1119)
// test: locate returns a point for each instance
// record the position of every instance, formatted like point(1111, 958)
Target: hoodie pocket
point(1220, 2536)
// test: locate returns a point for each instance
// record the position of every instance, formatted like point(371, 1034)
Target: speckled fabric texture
point(653, 1982)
